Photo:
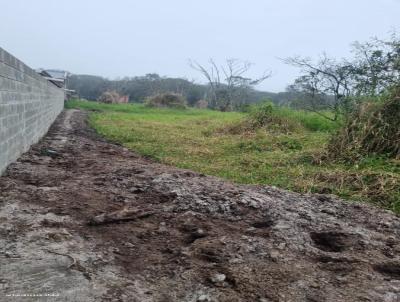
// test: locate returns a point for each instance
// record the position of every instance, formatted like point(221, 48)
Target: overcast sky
point(131, 37)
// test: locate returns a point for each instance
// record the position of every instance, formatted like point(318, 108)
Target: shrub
point(374, 129)
point(265, 115)
point(109, 97)
point(167, 100)
point(281, 119)
point(201, 104)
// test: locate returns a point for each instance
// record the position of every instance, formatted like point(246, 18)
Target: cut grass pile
point(193, 139)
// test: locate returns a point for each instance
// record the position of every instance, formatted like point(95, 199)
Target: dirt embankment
point(91, 221)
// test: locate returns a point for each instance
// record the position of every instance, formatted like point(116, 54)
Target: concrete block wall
point(29, 104)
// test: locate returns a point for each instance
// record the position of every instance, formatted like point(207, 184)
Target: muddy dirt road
point(87, 220)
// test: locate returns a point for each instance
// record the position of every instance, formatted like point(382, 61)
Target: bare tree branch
point(228, 92)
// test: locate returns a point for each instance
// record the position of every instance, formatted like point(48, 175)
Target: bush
point(167, 100)
point(267, 116)
point(109, 97)
point(201, 104)
point(281, 119)
point(374, 129)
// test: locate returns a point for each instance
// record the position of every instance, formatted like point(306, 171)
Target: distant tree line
point(141, 87)
point(138, 88)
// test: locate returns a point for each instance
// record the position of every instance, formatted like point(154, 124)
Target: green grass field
point(195, 139)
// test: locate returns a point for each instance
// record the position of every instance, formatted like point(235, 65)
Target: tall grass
point(373, 129)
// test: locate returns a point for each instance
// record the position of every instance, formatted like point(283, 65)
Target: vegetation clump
point(266, 115)
point(201, 104)
point(166, 100)
point(280, 120)
point(263, 116)
point(372, 130)
point(109, 97)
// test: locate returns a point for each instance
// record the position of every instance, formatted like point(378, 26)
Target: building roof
point(55, 76)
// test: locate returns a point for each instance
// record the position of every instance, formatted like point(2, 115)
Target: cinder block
point(29, 104)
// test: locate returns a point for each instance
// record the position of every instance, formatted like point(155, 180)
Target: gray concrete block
point(29, 104)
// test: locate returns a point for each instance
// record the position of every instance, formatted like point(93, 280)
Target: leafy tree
point(322, 78)
point(377, 65)
point(340, 85)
